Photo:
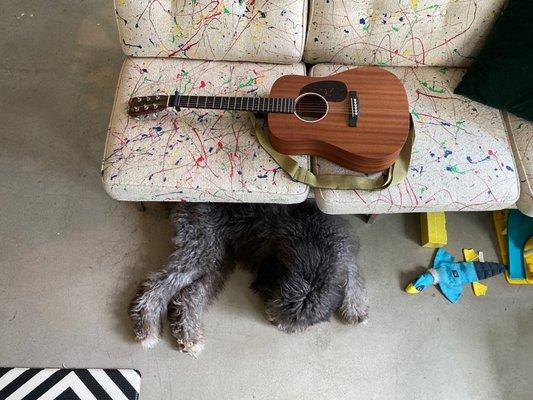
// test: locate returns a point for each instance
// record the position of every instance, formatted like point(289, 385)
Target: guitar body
point(358, 119)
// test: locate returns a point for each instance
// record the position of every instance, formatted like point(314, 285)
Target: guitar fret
point(261, 104)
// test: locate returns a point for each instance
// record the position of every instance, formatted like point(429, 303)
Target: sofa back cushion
point(399, 32)
point(234, 30)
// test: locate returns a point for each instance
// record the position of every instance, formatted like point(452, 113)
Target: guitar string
point(301, 108)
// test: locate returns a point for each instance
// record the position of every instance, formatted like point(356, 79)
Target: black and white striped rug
point(69, 384)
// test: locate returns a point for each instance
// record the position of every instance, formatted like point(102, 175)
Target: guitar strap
point(395, 174)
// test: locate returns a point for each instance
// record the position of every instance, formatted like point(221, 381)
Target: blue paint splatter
point(447, 153)
point(469, 159)
point(508, 168)
point(362, 21)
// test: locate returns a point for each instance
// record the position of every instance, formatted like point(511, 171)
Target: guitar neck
point(254, 104)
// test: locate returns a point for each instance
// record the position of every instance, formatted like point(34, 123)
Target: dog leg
point(186, 308)
point(153, 295)
point(354, 307)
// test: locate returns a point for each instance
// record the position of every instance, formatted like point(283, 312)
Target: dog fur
point(303, 264)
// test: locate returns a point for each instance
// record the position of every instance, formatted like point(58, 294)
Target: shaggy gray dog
point(302, 261)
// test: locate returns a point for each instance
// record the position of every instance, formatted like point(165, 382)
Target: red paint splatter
point(200, 160)
point(202, 84)
point(490, 152)
point(220, 145)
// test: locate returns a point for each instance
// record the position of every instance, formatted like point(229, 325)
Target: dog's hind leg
point(154, 294)
point(152, 297)
point(354, 307)
point(186, 309)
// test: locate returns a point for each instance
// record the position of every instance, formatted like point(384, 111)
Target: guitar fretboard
point(256, 104)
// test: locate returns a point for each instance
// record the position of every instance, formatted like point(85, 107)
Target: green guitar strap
point(395, 174)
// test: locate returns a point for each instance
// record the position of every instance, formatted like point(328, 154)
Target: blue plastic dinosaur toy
point(451, 275)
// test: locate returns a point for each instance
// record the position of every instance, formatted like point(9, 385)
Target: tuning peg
point(136, 108)
point(155, 106)
point(157, 97)
point(146, 107)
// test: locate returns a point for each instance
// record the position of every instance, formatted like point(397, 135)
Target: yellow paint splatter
point(259, 79)
point(414, 4)
point(177, 31)
point(121, 2)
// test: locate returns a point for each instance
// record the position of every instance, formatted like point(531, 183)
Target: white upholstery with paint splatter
point(197, 155)
point(232, 30)
point(462, 158)
point(399, 32)
point(522, 135)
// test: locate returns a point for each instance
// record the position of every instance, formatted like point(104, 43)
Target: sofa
point(466, 156)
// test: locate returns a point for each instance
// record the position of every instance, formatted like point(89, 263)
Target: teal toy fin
point(452, 293)
point(442, 256)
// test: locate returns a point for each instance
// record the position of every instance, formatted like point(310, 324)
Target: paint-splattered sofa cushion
point(232, 30)
point(462, 158)
point(197, 155)
point(399, 32)
point(522, 136)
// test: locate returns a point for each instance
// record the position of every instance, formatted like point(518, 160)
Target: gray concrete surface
point(70, 258)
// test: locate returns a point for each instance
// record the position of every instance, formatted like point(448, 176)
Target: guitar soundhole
point(311, 107)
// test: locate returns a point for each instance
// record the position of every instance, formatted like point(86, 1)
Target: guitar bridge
point(354, 109)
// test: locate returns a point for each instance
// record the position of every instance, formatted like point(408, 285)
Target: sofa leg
point(142, 207)
point(371, 218)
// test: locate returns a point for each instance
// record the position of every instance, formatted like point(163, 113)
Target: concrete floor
point(71, 257)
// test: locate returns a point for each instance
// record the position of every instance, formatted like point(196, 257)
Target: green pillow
point(502, 74)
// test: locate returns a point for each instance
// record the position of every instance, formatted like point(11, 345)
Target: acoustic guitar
point(358, 119)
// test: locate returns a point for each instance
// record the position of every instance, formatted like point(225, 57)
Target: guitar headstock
point(146, 105)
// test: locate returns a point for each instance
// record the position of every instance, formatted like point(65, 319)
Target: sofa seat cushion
point(196, 155)
point(399, 33)
point(270, 31)
point(462, 158)
point(522, 137)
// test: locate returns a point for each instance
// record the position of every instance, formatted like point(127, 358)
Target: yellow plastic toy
point(501, 223)
point(433, 229)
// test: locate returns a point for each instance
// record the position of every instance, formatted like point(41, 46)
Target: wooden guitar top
point(358, 119)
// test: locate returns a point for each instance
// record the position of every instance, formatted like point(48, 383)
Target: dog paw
point(192, 348)
point(146, 335)
point(149, 342)
point(356, 315)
